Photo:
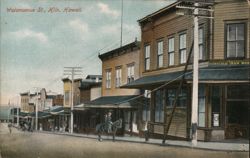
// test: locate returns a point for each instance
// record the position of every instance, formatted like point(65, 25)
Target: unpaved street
point(40, 145)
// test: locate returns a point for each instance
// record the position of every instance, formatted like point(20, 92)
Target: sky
point(37, 45)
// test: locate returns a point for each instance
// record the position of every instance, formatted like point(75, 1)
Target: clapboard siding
point(225, 11)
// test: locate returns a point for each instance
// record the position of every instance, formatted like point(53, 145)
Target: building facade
point(224, 51)
point(119, 66)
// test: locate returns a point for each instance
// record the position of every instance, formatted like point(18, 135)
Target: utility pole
point(194, 118)
point(195, 6)
point(121, 22)
point(72, 71)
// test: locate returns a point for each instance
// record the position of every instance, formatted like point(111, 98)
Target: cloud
point(79, 25)
point(27, 33)
point(104, 8)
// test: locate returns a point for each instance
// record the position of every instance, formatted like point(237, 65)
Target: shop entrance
point(237, 110)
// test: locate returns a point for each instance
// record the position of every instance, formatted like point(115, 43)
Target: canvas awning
point(41, 114)
point(111, 102)
point(207, 74)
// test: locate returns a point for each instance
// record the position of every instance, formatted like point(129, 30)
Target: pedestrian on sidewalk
point(10, 126)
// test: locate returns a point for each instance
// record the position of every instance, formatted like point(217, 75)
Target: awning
point(41, 114)
point(207, 74)
point(56, 110)
point(111, 102)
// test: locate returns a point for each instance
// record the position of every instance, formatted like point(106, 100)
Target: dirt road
point(41, 145)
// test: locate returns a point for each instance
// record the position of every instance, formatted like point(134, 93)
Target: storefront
point(223, 104)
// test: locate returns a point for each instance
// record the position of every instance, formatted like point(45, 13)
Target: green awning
point(207, 74)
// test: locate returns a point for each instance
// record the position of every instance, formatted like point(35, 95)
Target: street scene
point(20, 144)
point(123, 78)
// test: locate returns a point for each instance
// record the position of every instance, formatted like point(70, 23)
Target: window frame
point(203, 44)
point(226, 36)
point(147, 58)
point(161, 108)
point(108, 79)
point(118, 78)
point(182, 49)
point(161, 53)
point(171, 52)
point(130, 75)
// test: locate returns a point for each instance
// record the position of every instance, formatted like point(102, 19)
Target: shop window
point(146, 111)
point(182, 99)
point(238, 104)
point(159, 108)
point(216, 105)
point(201, 106)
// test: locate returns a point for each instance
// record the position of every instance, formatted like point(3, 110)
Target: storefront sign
point(230, 62)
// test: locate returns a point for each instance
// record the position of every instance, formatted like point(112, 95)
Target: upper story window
point(201, 44)
point(235, 40)
point(171, 51)
point(147, 57)
point(160, 54)
point(182, 48)
point(108, 78)
point(131, 73)
point(67, 95)
point(118, 77)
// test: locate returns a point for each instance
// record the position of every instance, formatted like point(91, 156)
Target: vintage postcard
point(124, 78)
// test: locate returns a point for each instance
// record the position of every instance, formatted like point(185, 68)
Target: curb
point(142, 142)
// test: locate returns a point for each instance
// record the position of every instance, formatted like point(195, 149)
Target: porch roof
point(110, 102)
point(207, 74)
point(41, 114)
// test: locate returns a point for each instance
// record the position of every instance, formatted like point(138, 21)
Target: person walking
point(10, 126)
point(109, 122)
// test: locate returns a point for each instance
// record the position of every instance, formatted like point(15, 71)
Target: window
point(118, 77)
point(108, 79)
point(171, 51)
point(66, 97)
point(131, 73)
point(235, 41)
point(160, 54)
point(216, 105)
point(147, 57)
point(159, 108)
point(182, 48)
point(201, 106)
point(182, 99)
point(146, 111)
point(201, 44)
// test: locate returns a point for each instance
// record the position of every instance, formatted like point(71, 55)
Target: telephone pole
point(72, 71)
point(195, 8)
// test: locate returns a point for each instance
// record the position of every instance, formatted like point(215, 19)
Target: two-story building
point(84, 118)
point(224, 51)
point(119, 66)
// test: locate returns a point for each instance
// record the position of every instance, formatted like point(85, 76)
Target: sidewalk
point(219, 146)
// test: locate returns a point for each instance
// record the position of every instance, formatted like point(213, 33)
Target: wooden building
point(224, 52)
point(119, 66)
